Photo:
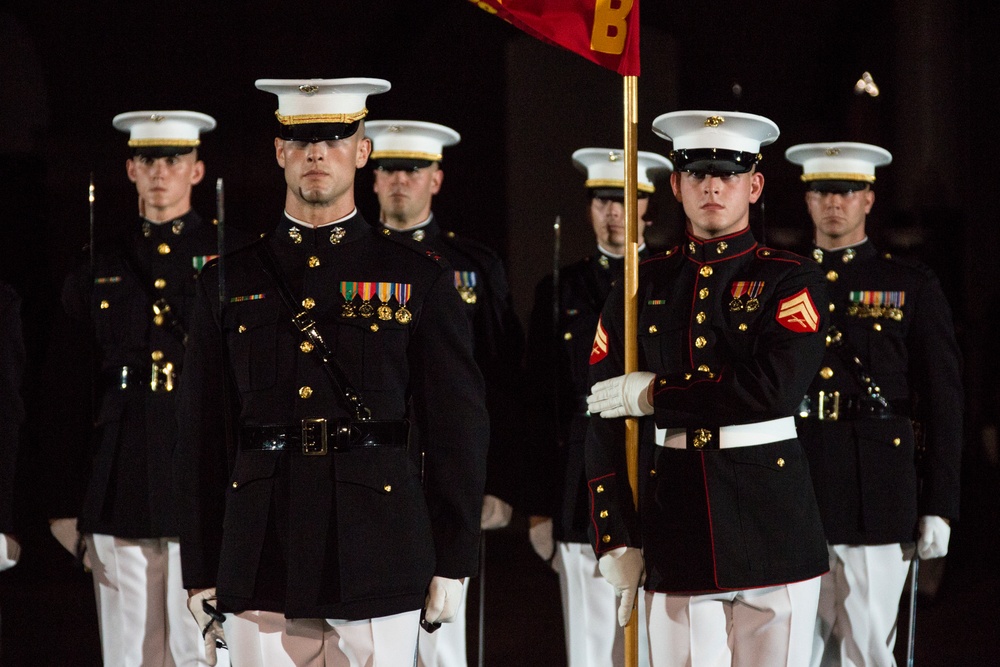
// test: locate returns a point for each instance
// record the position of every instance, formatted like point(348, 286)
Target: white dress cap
point(409, 139)
point(180, 129)
point(308, 101)
point(838, 161)
point(725, 130)
point(605, 167)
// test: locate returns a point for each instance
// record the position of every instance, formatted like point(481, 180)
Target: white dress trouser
point(590, 609)
point(445, 647)
point(142, 605)
point(751, 628)
point(859, 604)
point(268, 639)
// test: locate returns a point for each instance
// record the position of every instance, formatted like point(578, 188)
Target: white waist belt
point(739, 435)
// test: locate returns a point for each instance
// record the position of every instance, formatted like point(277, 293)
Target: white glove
point(66, 534)
point(10, 552)
point(540, 536)
point(496, 513)
point(444, 599)
point(934, 535)
point(625, 395)
point(623, 569)
point(209, 620)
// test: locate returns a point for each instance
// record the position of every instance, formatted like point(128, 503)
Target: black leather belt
point(122, 378)
point(318, 436)
point(834, 406)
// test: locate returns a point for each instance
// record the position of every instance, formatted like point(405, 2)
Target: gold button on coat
point(163, 249)
point(826, 372)
point(896, 442)
point(600, 488)
point(704, 368)
point(241, 329)
point(306, 346)
point(604, 514)
point(700, 317)
point(305, 392)
point(308, 303)
point(703, 293)
point(606, 539)
point(832, 276)
point(700, 342)
point(652, 328)
point(313, 262)
point(705, 271)
point(877, 326)
point(743, 326)
point(781, 463)
point(159, 283)
point(157, 355)
point(568, 335)
point(105, 305)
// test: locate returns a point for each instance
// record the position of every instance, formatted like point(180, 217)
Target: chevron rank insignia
point(798, 313)
point(600, 348)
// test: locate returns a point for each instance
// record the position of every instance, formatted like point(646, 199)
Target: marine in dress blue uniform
point(891, 357)
point(316, 532)
point(407, 157)
point(727, 531)
point(557, 369)
point(133, 302)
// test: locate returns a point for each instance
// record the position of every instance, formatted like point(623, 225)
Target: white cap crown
point(309, 101)
point(176, 129)
point(409, 139)
point(605, 167)
point(838, 161)
point(724, 130)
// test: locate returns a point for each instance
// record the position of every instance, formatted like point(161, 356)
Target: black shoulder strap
point(842, 348)
point(306, 327)
point(161, 307)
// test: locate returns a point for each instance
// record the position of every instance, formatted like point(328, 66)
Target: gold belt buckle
point(829, 406)
point(701, 437)
point(162, 378)
point(314, 436)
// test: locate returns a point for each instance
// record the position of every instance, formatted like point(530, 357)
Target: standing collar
point(707, 251)
point(863, 250)
point(183, 224)
point(425, 231)
point(295, 233)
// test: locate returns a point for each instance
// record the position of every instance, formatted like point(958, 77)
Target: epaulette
point(669, 253)
point(416, 246)
point(767, 253)
point(909, 263)
point(466, 243)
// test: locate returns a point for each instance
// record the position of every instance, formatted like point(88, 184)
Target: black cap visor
point(313, 132)
point(614, 194)
point(713, 160)
point(401, 164)
point(836, 186)
point(161, 151)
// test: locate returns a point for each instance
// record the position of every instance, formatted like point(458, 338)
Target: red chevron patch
point(600, 348)
point(798, 313)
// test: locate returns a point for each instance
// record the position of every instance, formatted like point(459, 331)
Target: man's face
point(164, 183)
point(608, 219)
point(839, 217)
point(320, 173)
point(719, 204)
point(404, 195)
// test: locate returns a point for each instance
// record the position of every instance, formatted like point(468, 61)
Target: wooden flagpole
point(631, 87)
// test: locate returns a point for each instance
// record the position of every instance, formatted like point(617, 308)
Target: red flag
point(603, 31)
